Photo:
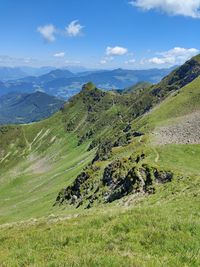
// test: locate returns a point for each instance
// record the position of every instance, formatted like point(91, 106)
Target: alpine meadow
point(99, 133)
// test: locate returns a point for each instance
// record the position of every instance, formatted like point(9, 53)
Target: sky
point(102, 34)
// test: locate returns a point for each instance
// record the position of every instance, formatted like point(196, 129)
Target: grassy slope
point(180, 103)
point(24, 108)
point(39, 159)
point(159, 230)
point(184, 159)
point(50, 159)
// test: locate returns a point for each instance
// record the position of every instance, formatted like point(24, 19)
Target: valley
point(63, 83)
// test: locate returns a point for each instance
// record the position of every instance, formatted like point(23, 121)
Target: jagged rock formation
point(179, 77)
point(120, 178)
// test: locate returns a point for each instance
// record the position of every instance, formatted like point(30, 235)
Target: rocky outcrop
point(120, 178)
point(178, 78)
point(104, 151)
point(121, 181)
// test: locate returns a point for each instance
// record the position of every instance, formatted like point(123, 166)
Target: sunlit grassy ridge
point(182, 102)
point(38, 160)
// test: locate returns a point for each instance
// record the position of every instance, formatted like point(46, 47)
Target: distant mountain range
point(64, 84)
point(7, 73)
point(25, 108)
point(13, 73)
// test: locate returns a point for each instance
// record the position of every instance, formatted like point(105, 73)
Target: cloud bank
point(187, 8)
point(174, 56)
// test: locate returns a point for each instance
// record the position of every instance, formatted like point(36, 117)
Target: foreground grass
point(158, 231)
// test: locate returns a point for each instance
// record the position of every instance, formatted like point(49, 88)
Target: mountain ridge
point(65, 84)
point(17, 108)
point(115, 190)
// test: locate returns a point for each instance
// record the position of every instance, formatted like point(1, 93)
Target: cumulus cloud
point(74, 28)
point(116, 51)
point(175, 56)
point(47, 32)
point(159, 61)
point(60, 54)
point(188, 8)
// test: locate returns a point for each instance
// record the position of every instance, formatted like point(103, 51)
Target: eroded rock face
point(104, 151)
point(120, 178)
point(179, 78)
point(121, 181)
point(162, 176)
point(186, 73)
point(73, 193)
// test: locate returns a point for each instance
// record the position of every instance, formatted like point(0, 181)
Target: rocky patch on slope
point(186, 131)
point(120, 178)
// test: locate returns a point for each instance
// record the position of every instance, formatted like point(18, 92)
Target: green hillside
point(16, 108)
point(110, 180)
point(137, 86)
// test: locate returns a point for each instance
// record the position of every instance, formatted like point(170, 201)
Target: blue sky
point(99, 33)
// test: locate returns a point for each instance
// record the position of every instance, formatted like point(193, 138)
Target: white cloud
point(130, 61)
point(103, 61)
point(74, 28)
point(164, 60)
point(180, 51)
point(116, 51)
point(106, 59)
point(188, 8)
point(47, 32)
point(60, 54)
point(175, 56)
